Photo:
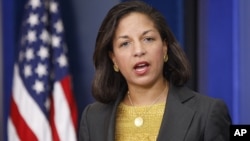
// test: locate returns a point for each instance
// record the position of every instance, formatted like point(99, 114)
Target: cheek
point(124, 66)
point(159, 53)
point(122, 60)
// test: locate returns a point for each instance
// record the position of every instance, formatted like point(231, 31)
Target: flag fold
point(42, 103)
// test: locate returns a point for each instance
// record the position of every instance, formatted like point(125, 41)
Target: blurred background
point(214, 34)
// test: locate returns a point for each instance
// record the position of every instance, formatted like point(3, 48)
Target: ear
point(112, 56)
point(165, 47)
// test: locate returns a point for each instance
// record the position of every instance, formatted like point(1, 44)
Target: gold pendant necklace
point(138, 121)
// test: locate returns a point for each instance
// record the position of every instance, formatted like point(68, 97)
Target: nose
point(139, 50)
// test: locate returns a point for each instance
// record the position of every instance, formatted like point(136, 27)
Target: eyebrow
point(147, 31)
point(143, 33)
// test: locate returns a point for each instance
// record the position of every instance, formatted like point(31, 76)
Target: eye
point(124, 44)
point(148, 39)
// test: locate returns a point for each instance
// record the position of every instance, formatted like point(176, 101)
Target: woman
point(139, 84)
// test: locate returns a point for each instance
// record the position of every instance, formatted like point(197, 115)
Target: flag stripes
point(42, 104)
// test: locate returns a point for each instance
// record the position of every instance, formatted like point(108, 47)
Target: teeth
point(141, 65)
point(140, 69)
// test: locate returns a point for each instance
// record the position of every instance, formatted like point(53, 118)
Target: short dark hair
point(107, 83)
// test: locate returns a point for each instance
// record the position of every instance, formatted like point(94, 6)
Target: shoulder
point(94, 121)
point(206, 108)
point(197, 101)
point(97, 109)
point(211, 112)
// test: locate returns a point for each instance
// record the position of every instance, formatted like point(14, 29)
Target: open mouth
point(141, 68)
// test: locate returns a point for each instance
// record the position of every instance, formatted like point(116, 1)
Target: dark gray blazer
point(189, 116)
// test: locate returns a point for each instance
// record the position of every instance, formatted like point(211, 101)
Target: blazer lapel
point(176, 119)
point(177, 116)
point(111, 125)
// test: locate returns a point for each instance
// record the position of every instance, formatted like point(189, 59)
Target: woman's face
point(138, 50)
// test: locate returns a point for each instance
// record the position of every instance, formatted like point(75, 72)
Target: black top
point(188, 116)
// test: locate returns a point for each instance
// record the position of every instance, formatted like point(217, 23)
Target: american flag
point(42, 104)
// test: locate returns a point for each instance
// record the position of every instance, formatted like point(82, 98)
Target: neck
point(147, 96)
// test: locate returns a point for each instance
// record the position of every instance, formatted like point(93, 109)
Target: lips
point(141, 67)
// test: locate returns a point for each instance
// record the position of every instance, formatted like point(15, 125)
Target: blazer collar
point(111, 128)
point(177, 116)
point(176, 119)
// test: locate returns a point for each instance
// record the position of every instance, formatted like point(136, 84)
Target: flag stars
point(44, 36)
point(41, 70)
point(27, 70)
point(34, 3)
point(59, 26)
point(29, 54)
point(53, 7)
point(31, 36)
point(47, 104)
point(55, 41)
point(43, 52)
point(33, 19)
point(44, 19)
point(38, 86)
point(62, 60)
point(37, 69)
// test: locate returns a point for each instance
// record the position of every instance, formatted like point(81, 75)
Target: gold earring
point(165, 58)
point(116, 68)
